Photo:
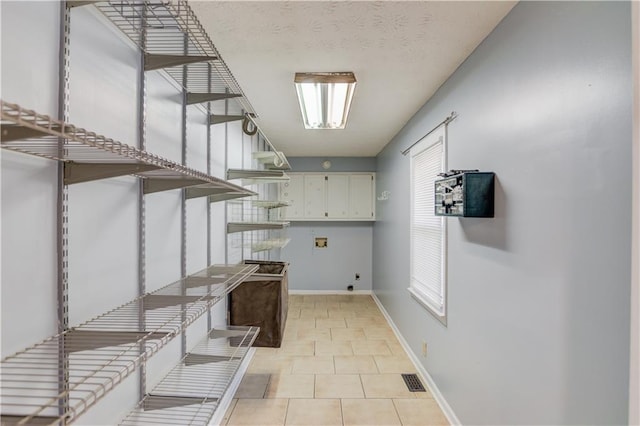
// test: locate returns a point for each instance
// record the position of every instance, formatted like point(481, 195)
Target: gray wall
point(332, 268)
point(349, 246)
point(338, 164)
point(28, 184)
point(538, 306)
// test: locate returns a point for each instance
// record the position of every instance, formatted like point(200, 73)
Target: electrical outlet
point(357, 276)
point(424, 348)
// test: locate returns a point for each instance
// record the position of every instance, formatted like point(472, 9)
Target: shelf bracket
point(221, 192)
point(195, 282)
point(88, 340)
point(221, 118)
point(227, 196)
point(8, 419)
point(14, 132)
point(157, 301)
point(218, 334)
point(159, 402)
point(156, 62)
point(151, 185)
point(85, 172)
point(196, 359)
point(198, 98)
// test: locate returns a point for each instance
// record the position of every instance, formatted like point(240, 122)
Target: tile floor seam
point(395, 407)
point(266, 388)
point(286, 413)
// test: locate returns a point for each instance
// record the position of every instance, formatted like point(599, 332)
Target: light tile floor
point(339, 364)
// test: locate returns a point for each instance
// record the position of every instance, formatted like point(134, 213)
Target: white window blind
point(428, 284)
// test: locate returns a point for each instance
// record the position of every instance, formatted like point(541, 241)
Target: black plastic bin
point(262, 301)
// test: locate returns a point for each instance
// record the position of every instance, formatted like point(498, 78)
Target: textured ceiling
point(400, 52)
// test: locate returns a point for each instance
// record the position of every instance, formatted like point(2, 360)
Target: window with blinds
point(428, 280)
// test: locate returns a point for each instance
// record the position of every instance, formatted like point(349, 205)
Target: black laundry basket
point(262, 301)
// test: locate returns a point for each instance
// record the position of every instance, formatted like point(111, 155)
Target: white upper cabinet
point(361, 198)
point(315, 197)
point(338, 196)
point(329, 196)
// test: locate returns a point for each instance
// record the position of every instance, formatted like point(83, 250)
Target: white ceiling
point(400, 52)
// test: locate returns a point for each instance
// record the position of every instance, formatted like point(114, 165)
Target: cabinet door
point(337, 196)
point(315, 197)
point(361, 204)
point(293, 193)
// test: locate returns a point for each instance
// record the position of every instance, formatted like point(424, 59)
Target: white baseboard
point(426, 377)
point(328, 292)
point(225, 402)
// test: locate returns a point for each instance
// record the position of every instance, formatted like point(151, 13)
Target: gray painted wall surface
point(334, 267)
point(28, 184)
point(538, 307)
point(350, 243)
point(338, 164)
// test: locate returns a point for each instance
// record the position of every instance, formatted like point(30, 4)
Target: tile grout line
point(364, 392)
point(393, 402)
point(264, 393)
point(286, 412)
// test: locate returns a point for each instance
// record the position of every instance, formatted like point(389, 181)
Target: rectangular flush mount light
point(325, 98)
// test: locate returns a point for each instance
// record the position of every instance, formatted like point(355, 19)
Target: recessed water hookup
point(321, 242)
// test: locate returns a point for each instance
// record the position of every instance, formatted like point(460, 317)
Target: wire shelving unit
point(58, 379)
point(103, 351)
point(190, 393)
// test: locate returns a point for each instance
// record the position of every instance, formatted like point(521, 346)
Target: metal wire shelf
point(255, 226)
point(190, 393)
point(172, 28)
point(100, 353)
point(89, 156)
point(270, 244)
point(264, 204)
point(251, 177)
point(269, 204)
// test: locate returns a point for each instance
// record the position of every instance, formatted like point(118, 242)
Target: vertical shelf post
point(62, 211)
point(209, 319)
point(142, 142)
point(226, 166)
point(183, 201)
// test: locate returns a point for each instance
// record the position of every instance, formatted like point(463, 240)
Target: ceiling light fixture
point(325, 98)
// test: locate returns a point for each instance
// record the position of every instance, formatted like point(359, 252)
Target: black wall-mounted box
point(466, 194)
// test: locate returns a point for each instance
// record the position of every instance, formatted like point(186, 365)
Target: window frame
point(438, 135)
